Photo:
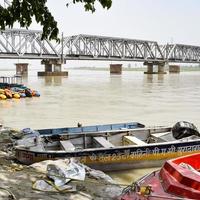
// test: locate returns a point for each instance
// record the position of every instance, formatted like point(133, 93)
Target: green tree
point(23, 11)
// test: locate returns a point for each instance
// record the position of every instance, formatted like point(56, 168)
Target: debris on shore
point(59, 179)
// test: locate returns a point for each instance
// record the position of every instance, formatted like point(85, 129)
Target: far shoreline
point(140, 69)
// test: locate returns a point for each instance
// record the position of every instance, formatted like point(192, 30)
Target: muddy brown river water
point(96, 97)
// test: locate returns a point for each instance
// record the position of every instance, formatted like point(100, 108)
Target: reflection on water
point(96, 97)
point(53, 80)
point(161, 77)
point(150, 78)
point(6, 104)
point(130, 176)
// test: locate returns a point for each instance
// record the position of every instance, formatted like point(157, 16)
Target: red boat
point(178, 179)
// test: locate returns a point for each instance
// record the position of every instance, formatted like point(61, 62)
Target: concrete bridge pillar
point(57, 68)
point(161, 69)
point(22, 69)
point(174, 68)
point(149, 68)
point(48, 67)
point(53, 67)
point(115, 68)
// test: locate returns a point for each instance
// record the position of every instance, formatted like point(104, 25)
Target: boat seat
point(39, 148)
point(102, 142)
point(67, 145)
point(163, 137)
point(132, 140)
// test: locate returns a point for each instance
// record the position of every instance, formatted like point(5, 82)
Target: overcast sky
point(165, 21)
point(176, 21)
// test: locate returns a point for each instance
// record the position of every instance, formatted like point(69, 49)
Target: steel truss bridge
point(27, 44)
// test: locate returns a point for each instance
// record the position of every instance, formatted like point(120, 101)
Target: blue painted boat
point(111, 147)
point(89, 129)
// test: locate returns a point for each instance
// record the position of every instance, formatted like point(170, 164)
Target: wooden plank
point(132, 140)
point(67, 145)
point(103, 142)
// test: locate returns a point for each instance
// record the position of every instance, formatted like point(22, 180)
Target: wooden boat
point(110, 149)
point(178, 179)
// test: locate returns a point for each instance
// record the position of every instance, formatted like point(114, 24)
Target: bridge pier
point(52, 68)
point(57, 67)
point(22, 69)
point(115, 68)
point(48, 67)
point(174, 68)
point(161, 68)
point(150, 66)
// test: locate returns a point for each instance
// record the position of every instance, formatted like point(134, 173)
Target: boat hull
point(157, 192)
point(178, 179)
point(116, 158)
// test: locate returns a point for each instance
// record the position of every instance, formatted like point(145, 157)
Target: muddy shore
point(17, 181)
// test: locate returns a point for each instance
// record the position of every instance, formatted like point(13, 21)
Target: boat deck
point(109, 150)
point(104, 140)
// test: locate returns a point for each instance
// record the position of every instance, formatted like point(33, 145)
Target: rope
point(129, 188)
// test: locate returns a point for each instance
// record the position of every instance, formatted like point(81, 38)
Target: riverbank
point(17, 181)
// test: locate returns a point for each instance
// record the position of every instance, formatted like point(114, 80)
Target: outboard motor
point(184, 129)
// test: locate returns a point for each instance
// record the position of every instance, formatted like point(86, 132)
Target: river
point(96, 97)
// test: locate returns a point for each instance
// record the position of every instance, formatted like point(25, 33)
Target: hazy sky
point(161, 20)
point(165, 21)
